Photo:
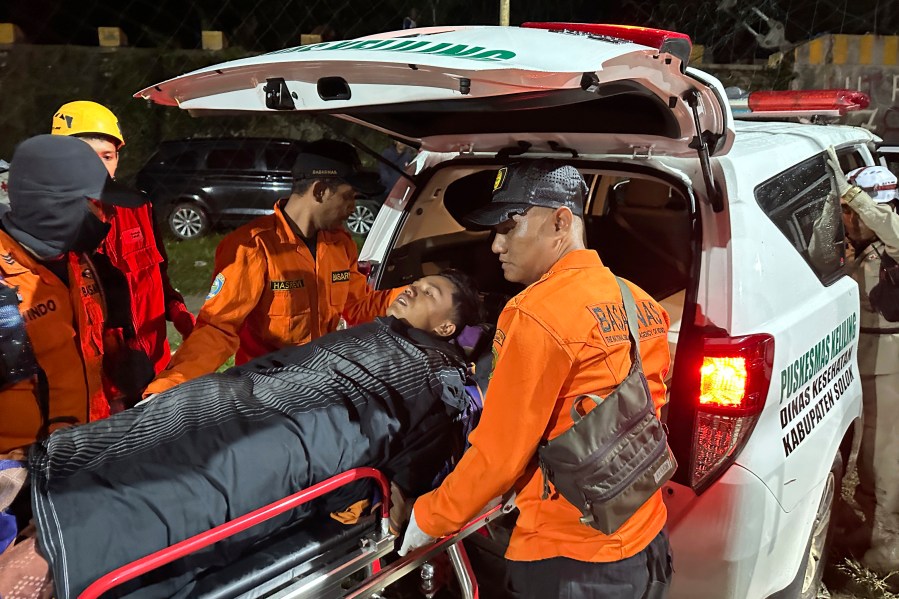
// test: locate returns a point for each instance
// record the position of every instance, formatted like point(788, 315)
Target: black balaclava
point(49, 180)
point(91, 234)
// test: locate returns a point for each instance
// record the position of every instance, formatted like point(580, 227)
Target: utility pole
point(504, 12)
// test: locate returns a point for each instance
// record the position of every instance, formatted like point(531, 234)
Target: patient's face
point(427, 304)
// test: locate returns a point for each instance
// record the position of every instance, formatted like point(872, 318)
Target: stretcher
point(323, 560)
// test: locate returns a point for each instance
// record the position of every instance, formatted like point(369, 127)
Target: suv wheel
point(820, 541)
point(362, 218)
point(188, 221)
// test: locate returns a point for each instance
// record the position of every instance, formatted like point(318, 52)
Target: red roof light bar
point(827, 102)
point(823, 99)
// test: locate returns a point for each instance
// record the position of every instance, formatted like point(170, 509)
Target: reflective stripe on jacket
point(268, 292)
point(65, 326)
point(561, 337)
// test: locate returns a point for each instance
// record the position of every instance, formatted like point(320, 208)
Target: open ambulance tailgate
point(486, 88)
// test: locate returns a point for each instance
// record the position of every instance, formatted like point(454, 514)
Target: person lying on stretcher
point(388, 394)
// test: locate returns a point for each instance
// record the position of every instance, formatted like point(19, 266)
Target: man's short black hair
point(100, 137)
point(467, 307)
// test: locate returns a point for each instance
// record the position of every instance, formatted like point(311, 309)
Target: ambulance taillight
point(734, 380)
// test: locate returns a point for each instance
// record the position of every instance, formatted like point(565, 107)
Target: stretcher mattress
point(205, 452)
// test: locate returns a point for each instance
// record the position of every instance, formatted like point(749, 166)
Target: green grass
point(190, 263)
point(866, 584)
point(845, 576)
point(190, 271)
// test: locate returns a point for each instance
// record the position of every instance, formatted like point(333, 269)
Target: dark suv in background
point(196, 184)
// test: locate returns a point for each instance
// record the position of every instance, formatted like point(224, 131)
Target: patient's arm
point(400, 509)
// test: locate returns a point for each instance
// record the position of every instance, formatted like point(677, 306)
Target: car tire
point(362, 218)
point(818, 548)
point(188, 221)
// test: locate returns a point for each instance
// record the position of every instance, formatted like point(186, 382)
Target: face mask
point(91, 234)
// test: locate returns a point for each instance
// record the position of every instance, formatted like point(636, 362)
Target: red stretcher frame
point(379, 579)
point(240, 524)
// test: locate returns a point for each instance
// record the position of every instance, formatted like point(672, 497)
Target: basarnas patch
point(612, 321)
point(217, 283)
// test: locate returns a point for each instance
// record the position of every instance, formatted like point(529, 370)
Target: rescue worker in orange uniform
point(132, 265)
point(286, 278)
point(556, 340)
point(51, 375)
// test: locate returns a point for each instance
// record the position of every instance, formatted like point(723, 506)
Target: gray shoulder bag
point(614, 458)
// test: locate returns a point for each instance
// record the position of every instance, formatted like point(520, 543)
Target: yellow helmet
point(85, 117)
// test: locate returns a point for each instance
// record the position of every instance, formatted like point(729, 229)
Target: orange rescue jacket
point(268, 293)
point(65, 326)
point(561, 337)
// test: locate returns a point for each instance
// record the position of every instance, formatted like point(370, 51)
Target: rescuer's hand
point(840, 181)
point(414, 537)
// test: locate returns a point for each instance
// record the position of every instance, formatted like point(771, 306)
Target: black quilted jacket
point(215, 448)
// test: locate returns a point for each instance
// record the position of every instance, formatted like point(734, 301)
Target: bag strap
point(630, 311)
point(886, 261)
point(860, 255)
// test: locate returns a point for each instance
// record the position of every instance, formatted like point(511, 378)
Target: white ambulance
point(714, 217)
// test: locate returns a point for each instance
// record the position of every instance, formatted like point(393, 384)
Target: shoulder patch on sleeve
point(499, 338)
point(217, 283)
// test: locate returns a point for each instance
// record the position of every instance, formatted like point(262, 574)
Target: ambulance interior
point(640, 226)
